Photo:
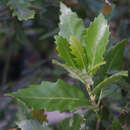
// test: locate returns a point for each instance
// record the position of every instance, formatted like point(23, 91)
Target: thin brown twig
point(98, 124)
point(6, 69)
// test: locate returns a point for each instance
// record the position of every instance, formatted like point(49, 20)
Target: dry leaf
point(106, 9)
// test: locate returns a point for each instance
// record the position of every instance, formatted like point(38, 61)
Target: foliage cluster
point(26, 30)
point(84, 56)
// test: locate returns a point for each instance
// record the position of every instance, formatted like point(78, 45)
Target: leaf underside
point(76, 74)
point(29, 125)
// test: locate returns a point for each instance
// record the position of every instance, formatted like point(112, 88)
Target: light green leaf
point(52, 96)
point(76, 74)
point(21, 9)
point(109, 81)
point(70, 24)
point(96, 39)
point(79, 53)
point(29, 125)
point(76, 122)
point(64, 50)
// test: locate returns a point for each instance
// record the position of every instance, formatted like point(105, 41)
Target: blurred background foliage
point(27, 45)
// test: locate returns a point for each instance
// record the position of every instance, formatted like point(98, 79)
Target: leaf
point(108, 91)
point(76, 74)
point(21, 9)
point(70, 24)
point(29, 125)
point(79, 53)
point(76, 122)
point(114, 60)
point(96, 39)
point(39, 115)
point(114, 57)
point(109, 81)
point(106, 9)
point(52, 96)
point(116, 125)
point(23, 112)
point(64, 50)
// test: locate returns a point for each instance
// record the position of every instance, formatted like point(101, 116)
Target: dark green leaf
point(96, 39)
point(52, 96)
point(114, 57)
point(116, 125)
point(70, 24)
point(114, 60)
point(108, 81)
point(108, 91)
point(21, 9)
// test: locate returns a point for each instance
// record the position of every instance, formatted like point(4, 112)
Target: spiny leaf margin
point(52, 96)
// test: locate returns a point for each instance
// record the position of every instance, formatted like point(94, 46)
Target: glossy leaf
point(108, 81)
point(64, 50)
point(79, 53)
point(70, 24)
point(52, 96)
point(21, 9)
point(96, 39)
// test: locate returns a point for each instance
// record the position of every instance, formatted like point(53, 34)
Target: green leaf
point(70, 24)
point(52, 96)
point(114, 60)
point(64, 50)
point(76, 122)
point(116, 125)
point(21, 9)
point(76, 74)
point(108, 91)
point(79, 53)
point(109, 81)
point(114, 57)
point(29, 125)
point(96, 39)
point(23, 112)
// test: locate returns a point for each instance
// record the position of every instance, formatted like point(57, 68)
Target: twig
point(98, 124)
point(6, 69)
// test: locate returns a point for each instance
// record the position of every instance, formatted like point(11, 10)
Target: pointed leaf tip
point(96, 40)
point(70, 24)
point(52, 96)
